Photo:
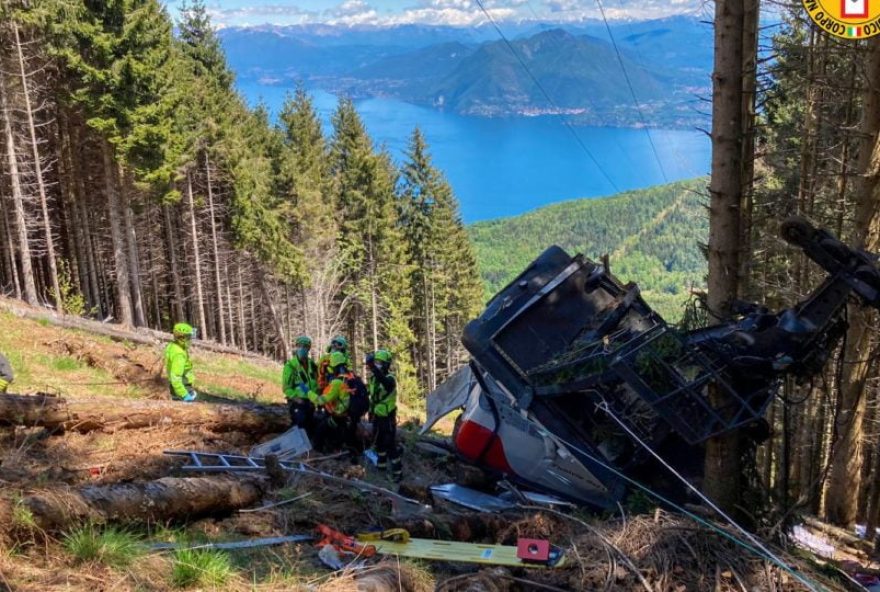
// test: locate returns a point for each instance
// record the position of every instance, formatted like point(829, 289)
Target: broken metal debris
point(470, 498)
point(566, 354)
point(261, 542)
point(290, 445)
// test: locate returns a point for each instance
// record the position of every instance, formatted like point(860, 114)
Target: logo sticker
point(847, 19)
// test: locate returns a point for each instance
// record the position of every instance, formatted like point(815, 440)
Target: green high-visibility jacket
point(180, 369)
point(383, 394)
point(299, 379)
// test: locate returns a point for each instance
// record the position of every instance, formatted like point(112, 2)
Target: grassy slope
point(78, 364)
point(652, 235)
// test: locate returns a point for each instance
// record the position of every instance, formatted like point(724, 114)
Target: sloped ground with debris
point(654, 551)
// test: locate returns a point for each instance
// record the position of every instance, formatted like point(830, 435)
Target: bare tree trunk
point(241, 324)
point(749, 84)
point(845, 480)
point(723, 468)
point(38, 171)
point(220, 312)
point(24, 249)
point(97, 300)
point(273, 312)
point(231, 325)
point(197, 259)
point(118, 238)
point(175, 265)
point(132, 247)
point(16, 282)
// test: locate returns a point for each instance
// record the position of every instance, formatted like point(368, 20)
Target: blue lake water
point(502, 167)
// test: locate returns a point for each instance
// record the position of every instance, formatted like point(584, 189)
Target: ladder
point(212, 462)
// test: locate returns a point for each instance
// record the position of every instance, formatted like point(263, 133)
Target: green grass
point(65, 363)
point(110, 546)
point(22, 517)
point(202, 567)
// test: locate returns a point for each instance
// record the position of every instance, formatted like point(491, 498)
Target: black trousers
point(302, 414)
point(335, 431)
point(385, 429)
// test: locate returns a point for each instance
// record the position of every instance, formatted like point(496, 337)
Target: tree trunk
point(111, 415)
point(117, 236)
point(846, 470)
point(137, 299)
point(16, 283)
point(38, 171)
point(749, 84)
point(273, 313)
point(197, 259)
point(220, 311)
point(165, 500)
point(172, 254)
point(722, 466)
point(27, 271)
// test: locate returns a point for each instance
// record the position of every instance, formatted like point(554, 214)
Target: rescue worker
point(181, 379)
point(6, 375)
point(345, 401)
point(337, 344)
point(300, 383)
point(382, 388)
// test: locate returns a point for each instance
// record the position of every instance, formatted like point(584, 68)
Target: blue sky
point(226, 13)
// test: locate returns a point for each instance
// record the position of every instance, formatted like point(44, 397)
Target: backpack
point(359, 398)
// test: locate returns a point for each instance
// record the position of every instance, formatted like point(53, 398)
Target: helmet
point(183, 330)
point(382, 355)
point(338, 359)
point(339, 342)
point(303, 341)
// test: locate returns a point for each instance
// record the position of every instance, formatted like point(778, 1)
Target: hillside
point(653, 237)
point(577, 72)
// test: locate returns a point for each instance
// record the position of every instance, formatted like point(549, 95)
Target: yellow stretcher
point(455, 551)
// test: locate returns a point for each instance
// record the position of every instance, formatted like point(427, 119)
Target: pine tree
point(446, 284)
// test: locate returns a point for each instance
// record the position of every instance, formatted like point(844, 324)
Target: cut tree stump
point(169, 499)
point(110, 415)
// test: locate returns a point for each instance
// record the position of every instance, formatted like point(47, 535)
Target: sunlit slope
point(654, 237)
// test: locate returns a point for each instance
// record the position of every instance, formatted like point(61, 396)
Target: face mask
point(302, 352)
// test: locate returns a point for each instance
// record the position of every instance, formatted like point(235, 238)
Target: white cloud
point(463, 13)
point(280, 14)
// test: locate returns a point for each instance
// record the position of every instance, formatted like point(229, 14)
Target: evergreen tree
point(370, 244)
point(446, 285)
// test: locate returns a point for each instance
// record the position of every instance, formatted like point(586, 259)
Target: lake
point(503, 167)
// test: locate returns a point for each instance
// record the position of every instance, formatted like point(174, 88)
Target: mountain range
point(539, 69)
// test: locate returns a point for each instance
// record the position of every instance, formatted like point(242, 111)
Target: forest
point(137, 186)
point(652, 237)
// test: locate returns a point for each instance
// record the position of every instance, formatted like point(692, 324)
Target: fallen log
point(110, 415)
point(169, 499)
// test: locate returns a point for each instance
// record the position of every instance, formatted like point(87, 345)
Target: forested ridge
point(652, 237)
point(137, 186)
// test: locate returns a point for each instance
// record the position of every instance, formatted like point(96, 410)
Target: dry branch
point(106, 414)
